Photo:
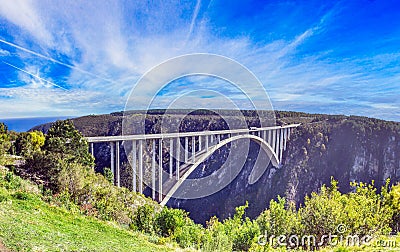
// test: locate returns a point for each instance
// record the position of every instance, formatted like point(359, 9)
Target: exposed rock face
point(347, 148)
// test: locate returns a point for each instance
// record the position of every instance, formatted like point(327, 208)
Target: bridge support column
point(200, 143)
point(270, 137)
point(140, 166)
point(112, 161)
point(153, 170)
point(206, 143)
point(281, 145)
point(193, 148)
point(171, 150)
point(273, 139)
point(134, 166)
point(160, 169)
point(186, 149)
point(117, 172)
point(92, 149)
point(285, 138)
point(218, 138)
point(278, 132)
point(178, 157)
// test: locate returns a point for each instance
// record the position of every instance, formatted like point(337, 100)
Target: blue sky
point(74, 58)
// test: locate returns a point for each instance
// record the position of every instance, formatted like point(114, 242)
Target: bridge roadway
point(273, 141)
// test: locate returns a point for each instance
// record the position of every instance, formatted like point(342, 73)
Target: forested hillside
point(349, 148)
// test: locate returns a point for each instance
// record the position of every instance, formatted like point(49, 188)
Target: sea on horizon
point(25, 124)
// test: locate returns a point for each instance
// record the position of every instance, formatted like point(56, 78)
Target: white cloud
point(107, 51)
point(4, 53)
point(24, 14)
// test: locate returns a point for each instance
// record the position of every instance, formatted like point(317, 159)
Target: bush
point(169, 220)
point(394, 203)
point(21, 195)
point(143, 219)
point(279, 219)
point(29, 142)
point(189, 235)
point(242, 231)
point(215, 237)
point(323, 212)
point(109, 175)
point(5, 143)
point(245, 235)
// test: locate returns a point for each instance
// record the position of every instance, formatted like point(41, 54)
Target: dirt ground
point(3, 248)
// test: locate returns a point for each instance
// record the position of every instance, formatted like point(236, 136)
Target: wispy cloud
point(98, 50)
point(35, 76)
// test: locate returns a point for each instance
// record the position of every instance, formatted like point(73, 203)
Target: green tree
point(3, 128)
point(394, 201)
point(4, 141)
point(64, 147)
point(29, 142)
point(169, 220)
point(67, 143)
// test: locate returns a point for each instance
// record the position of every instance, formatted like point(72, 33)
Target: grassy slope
point(32, 225)
point(29, 224)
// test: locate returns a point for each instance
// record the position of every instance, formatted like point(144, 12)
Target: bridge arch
point(263, 144)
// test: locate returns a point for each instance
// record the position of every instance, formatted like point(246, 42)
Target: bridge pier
point(134, 168)
point(178, 157)
point(276, 150)
point(281, 145)
point(171, 150)
point(193, 148)
point(186, 149)
point(112, 161)
point(160, 169)
point(140, 166)
point(270, 138)
point(92, 149)
point(200, 144)
point(117, 172)
point(153, 170)
point(273, 139)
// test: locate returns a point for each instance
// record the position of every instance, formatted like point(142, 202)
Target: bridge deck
point(99, 139)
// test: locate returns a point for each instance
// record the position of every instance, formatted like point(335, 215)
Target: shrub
point(21, 195)
point(29, 142)
point(245, 235)
point(279, 219)
point(242, 230)
point(5, 143)
point(143, 219)
point(109, 175)
point(215, 237)
point(323, 212)
point(189, 235)
point(169, 220)
point(367, 212)
point(394, 203)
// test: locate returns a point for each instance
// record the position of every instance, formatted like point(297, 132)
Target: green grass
point(27, 223)
point(32, 225)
